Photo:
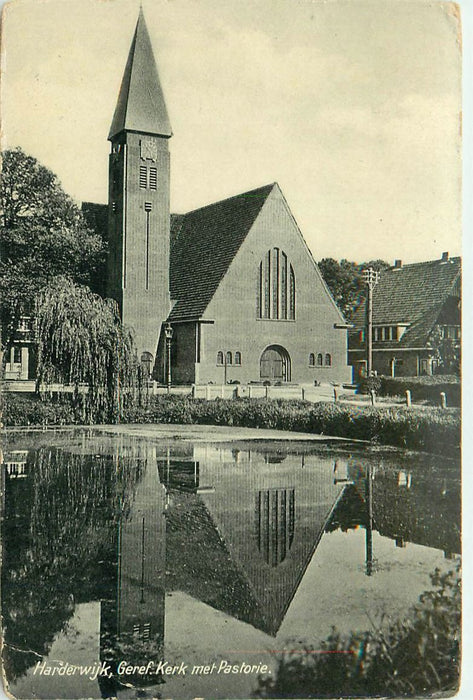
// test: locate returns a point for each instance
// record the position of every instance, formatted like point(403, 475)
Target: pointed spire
point(141, 105)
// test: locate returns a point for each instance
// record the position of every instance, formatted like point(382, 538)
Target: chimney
point(445, 256)
point(397, 264)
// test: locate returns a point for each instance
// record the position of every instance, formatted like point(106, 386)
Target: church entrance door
point(275, 365)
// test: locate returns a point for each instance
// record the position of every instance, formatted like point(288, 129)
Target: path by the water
point(212, 433)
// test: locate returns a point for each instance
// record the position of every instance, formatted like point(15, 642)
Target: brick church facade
point(235, 280)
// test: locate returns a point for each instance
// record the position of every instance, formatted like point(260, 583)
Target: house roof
point(204, 243)
point(413, 294)
point(141, 105)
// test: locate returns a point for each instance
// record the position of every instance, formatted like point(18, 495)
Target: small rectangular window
point(153, 178)
point(143, 177)
point(17, 355)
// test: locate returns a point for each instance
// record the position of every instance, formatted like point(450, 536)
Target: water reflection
point(110, 526)
point(132, 618)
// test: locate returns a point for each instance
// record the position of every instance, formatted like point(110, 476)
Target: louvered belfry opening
point(274, 521)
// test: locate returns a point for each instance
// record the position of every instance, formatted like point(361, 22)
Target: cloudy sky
point(352, 107)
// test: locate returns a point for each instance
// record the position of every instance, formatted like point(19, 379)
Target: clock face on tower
point(148, 150)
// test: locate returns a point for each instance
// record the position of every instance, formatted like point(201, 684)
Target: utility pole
point(371, 278)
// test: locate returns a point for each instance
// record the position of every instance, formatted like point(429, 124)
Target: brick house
point(234, 280)
point(415, 307)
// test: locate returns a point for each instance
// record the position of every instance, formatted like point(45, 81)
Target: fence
point(256, 391)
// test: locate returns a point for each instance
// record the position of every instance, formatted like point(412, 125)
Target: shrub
point(416, 656)
point(423, 388)
point(432, 429)
point(30, 409)
point(368, 384)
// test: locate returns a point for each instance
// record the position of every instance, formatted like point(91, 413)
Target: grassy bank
point(432, 430)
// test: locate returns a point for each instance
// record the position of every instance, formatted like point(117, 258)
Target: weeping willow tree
point(81, 342)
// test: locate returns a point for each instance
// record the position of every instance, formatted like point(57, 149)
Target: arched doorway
point(275, 365)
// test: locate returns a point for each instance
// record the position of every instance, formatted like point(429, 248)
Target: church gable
point(273, 276)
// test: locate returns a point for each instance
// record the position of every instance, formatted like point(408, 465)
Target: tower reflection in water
point(132, 619)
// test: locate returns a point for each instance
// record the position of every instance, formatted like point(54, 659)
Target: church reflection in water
point(232, 526)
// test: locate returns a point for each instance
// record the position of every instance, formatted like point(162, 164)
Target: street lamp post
point(370, 277)
point(168, 335)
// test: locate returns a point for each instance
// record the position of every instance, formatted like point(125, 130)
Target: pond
point(182, 568)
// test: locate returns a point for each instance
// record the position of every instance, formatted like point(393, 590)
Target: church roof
point(413, 294)
point(204, 242)
point(141, 105)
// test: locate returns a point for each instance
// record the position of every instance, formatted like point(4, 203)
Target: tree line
point(52, 266)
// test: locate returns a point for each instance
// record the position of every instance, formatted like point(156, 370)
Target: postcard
point(231, 348)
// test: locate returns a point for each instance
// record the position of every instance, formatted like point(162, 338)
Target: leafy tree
point(445, 351)
point(42, 235)
point(345, 281)
point(81, 341)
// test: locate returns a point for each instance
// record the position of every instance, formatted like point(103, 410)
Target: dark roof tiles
point(141, 105)
point(413, 294)
point(204, 243)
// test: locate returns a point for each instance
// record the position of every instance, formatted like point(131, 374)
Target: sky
point(353, 107)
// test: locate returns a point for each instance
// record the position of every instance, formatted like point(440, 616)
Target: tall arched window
point(220, 358)
point(238, 358)
point(328, 359)
point(276, 294)
point(275, 523)
point(311, 360)
point(229, 358)
point(319, 359)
